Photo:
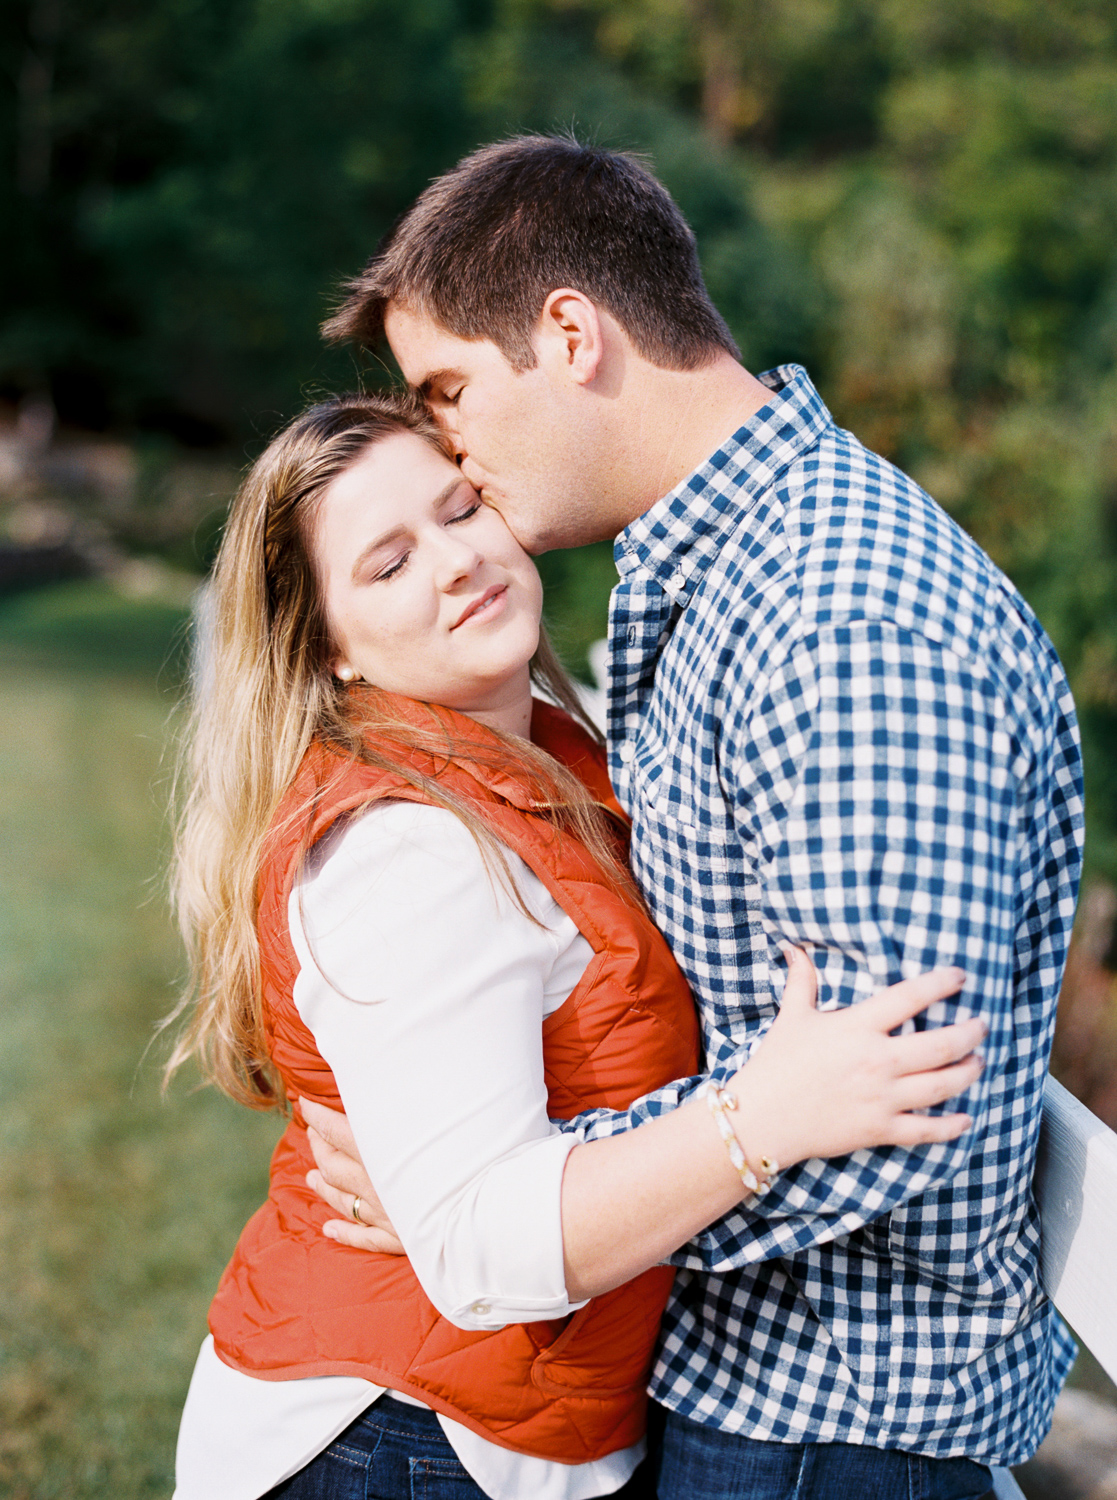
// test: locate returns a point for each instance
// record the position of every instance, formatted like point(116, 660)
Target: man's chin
point(532, 540)
point(537, 538)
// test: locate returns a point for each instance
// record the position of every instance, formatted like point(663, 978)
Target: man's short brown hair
point(483, 247)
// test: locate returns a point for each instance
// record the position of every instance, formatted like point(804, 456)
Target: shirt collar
point(665, 540)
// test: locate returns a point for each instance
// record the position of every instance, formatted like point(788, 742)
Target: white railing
point(1076, 1188)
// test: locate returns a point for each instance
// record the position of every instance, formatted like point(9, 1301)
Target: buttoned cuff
point(520, 1203)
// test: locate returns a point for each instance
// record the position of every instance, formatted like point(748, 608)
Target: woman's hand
point(820, 1084)
point(827, 1083)
point(340, 1180)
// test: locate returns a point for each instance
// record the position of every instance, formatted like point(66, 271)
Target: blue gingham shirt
point(835, 722)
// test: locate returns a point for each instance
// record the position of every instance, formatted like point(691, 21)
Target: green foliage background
point(917, 201)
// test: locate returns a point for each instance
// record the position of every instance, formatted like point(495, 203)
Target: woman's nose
point(457, 560)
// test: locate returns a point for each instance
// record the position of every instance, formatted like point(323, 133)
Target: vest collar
point(486, 758)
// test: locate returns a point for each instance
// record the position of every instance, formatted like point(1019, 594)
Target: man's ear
point(570, 337)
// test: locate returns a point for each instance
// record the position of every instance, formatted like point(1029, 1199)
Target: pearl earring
point(346, 674)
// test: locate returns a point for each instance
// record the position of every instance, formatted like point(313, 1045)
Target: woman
point(418, 913)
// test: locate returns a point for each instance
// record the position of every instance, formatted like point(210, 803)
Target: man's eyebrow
point(390, 535)
point(437, 377)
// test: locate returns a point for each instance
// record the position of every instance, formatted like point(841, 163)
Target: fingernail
point(979, 1058)
point(329, 1231)
point(959, 976)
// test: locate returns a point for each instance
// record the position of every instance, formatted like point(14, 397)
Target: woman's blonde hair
point(263, 690)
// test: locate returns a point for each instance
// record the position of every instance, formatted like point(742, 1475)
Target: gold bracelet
point(721, 1101)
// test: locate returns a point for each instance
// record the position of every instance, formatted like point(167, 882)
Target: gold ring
point(357, 1211)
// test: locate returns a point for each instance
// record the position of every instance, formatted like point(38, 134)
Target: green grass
point(117, 1210)
point(91, 627)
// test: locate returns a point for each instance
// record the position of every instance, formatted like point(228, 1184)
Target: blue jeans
point(701, 1461)
point(398, 1452)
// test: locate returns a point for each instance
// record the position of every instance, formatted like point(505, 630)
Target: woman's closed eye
point(464, 515)
point(395, 567)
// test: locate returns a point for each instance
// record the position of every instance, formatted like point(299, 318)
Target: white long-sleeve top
point(425, 988)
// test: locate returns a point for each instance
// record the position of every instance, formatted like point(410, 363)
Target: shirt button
point(627, 752)
point(481, 1309)
point(678, 582)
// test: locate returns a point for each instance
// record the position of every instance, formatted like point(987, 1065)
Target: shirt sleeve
point(425, 987)
point(879, 780)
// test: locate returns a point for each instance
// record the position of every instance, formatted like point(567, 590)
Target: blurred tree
point(190, 180)
point(919, 202)
point(948, 178)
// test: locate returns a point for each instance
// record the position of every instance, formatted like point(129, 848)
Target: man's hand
point(341, 1180)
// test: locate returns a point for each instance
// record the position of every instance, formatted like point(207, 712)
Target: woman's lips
point(482, 602)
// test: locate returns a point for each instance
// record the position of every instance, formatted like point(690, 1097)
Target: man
point(834, 724)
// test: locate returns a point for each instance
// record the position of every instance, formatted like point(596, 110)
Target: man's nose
point(470, 471)
point(446, 417)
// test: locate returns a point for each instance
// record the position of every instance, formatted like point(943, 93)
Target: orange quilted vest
point(293, 1303)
